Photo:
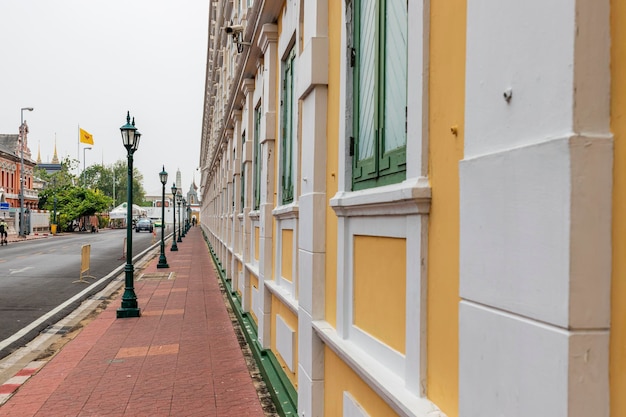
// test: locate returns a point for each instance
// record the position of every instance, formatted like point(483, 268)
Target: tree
point(71, 201)
point(113, 180)
point(100, 188)
point(56, 182)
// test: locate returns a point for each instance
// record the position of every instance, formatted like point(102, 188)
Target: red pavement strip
point(181, 358)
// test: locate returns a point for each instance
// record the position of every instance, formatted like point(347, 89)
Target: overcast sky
point(86, 62)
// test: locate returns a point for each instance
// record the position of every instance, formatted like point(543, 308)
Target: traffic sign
point(4, 205)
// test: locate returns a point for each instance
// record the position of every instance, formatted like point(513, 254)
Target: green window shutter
point(288, 136)
point(380, 93)
point(243, 172)
point(393, 144)
point(365, 94)
point(257, 158)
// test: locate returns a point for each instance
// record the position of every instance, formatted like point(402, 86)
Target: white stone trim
point(285, 342)
point(386, 384)
point(408, 197)
point(289, 286)
point(283, 295)
point(351, 408)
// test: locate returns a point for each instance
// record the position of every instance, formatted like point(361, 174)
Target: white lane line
point(17, 271)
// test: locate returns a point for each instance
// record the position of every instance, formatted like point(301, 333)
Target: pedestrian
point(4, 227)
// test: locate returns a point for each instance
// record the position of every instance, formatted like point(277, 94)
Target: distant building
point(52, 166)
point(10, 164)
point(193, 202)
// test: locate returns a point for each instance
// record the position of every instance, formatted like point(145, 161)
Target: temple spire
point(55, 159)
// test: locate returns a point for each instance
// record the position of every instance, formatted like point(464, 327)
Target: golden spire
point(39, 152)
point(55, 159)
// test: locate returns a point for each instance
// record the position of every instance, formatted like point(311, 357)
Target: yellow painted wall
point(287, 254)
point(279, 308)
point(332, 157)
point(446, 109)
point(379, 288)
point(340, 378)
point(257, 239)
point(254, 283)
point(617, 370)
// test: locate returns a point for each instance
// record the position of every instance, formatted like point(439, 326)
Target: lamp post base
point(128, 312)
point(129, 307)
point(162, 262)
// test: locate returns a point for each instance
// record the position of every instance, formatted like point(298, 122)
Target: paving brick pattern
point(181, 358)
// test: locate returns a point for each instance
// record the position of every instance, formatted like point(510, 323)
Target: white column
point(248, 123)
point(312, 89)
point(535, 189)
point(268, 44)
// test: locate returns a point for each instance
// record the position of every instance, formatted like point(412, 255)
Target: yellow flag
point(86, 137)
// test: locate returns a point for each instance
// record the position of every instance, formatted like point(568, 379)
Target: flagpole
point(78, 152)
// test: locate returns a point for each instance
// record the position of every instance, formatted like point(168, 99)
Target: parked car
point(144, 224)
point(157, 223)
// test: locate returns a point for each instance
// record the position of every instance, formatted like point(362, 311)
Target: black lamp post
point(54, 206)
point(180, 239)
point(174, 245)
point(185, 218)
point(23, 132)
point(162, 259)
point(129, 308)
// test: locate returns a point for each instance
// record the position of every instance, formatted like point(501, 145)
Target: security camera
point(234, 29)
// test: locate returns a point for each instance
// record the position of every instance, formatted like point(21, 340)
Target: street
point(38, 275)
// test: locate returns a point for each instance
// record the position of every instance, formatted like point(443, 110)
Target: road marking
point(15, 271)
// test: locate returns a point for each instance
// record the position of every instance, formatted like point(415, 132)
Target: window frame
point(383, 167)
point(243, 172)
point(288, 132)
point(257, 157)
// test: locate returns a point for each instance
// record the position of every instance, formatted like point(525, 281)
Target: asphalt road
point(38, 275)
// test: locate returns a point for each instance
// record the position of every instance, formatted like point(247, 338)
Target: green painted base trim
point(283, 393)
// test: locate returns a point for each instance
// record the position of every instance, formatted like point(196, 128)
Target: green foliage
point(98, 189)
point(113, 181)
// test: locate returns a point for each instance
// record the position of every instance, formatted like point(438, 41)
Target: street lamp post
point(54, 207)
point(22, 138)
point(86, 148)
point(185, 218)
point(129, 308)
point(174, 247)
point(162, 259)
point(180, 239)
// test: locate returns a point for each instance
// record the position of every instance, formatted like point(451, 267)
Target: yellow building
point(417, 206)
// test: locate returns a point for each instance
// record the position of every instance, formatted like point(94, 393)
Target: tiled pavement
point(180, 358)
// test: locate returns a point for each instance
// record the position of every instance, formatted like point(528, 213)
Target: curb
point(91, 303)
point(13, 384)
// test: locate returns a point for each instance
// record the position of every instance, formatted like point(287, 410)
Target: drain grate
point(158, 276)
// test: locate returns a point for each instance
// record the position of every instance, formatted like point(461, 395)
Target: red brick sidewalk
point(180, 358)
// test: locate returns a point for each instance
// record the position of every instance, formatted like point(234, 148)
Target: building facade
point(418, 207)
point(10, 173)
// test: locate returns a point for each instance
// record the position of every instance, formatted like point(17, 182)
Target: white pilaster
point(535, 202)
point(268, 43)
